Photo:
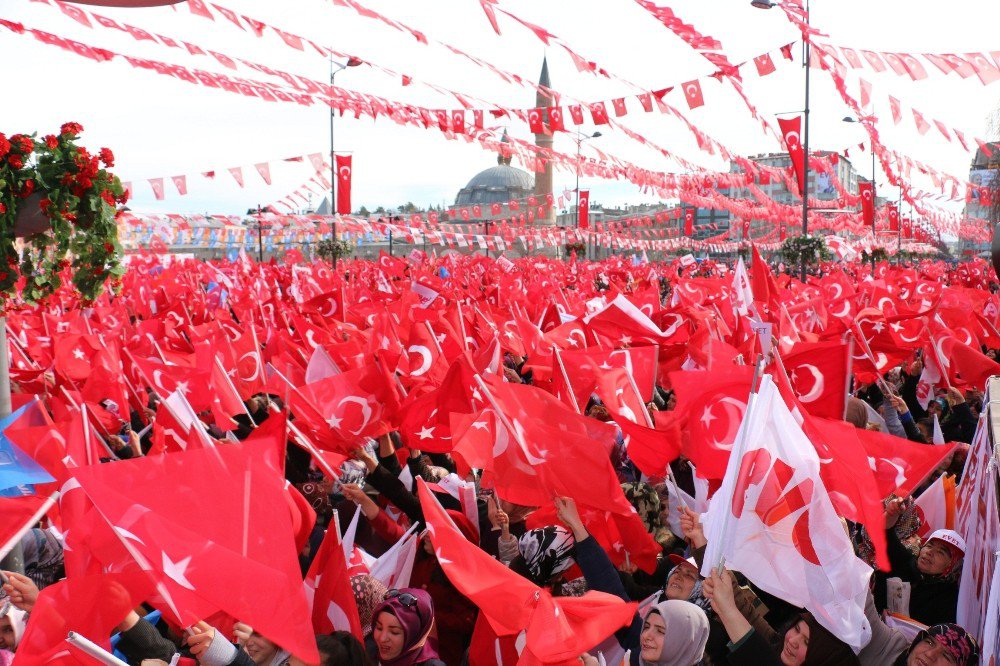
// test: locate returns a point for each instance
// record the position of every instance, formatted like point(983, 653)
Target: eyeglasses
point(405, 598)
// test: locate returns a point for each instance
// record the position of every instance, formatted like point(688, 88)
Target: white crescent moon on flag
point(366, 411)
point(345, 172)
point(426, 357)
point(818, 384)
point(734, 409)
point(256, 367)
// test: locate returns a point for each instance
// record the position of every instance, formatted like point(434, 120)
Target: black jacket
point(933, 599)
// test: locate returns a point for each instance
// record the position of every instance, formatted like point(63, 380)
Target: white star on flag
point(177, 571)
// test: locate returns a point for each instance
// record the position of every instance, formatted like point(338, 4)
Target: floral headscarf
point(369, 592)
point(955, 639)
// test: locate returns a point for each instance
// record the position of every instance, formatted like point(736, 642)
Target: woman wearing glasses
point(402, 629)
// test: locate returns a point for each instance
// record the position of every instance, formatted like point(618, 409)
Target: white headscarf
point(685, 636)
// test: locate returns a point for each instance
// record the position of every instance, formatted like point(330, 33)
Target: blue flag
point(17, 469)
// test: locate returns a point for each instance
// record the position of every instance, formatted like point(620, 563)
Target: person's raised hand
point(361, 454)
point(899, 404)
point(718, 589)
point(567, 512)
point(893, 510)
point(692, 527)
point(200, 638)
point(242, 632)
point(22, 591)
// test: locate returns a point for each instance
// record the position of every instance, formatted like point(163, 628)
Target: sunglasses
point(405, 598)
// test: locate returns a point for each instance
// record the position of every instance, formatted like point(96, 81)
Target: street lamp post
point(768, 4)
point(849, 119)
point(335, 68)
point(580, 138)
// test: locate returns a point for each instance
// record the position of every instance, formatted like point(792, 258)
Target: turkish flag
point(91, 606)
point(576, 113)
point(867, 192)
point(619, 105)
point(652, 449)
point(328, 589)
point(689, 221)
point(900, 466)
point(180, 182)
point(556, 119)
point(354, 404)
point(557, 630)
point(711, 405)
point(344, 175)
point(819, 373)
point(599, 113)
point(848, 475)
point(966, 365)
point(764, 64)
point(583, 210)
point(791, 129)
point(536, 121)
point(458, 121)
point(693, 94)
point(893, 214)
point(225, 559)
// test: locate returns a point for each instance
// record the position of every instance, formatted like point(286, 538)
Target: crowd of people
point(683, 613)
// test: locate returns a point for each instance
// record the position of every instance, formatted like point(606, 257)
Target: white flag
point(977, 521)
point(938, 437)
point(742, 291)
point(773, 521)
point(936, 506)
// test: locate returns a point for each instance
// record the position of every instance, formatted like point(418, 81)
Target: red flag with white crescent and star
point(693, 94)
point(344, 176)
point(867, 192)
point(711, 405)
point(791, 130)
point(583, 210)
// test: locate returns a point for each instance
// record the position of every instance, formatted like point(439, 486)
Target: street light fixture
point(580, 138)
point(351, 62)
point(769, 4)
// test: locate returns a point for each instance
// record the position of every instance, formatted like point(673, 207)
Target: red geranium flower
point(16, 161)
point(4, 145)
point(107, 157)
point(51, 141)
point(71, 128)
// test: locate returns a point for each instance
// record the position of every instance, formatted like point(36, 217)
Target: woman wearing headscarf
point(941, 644)
point(402, 629)
point(545, 554)
point(369, 593)
point(804, 642)
point(674, 633)
point(930, 574)
point(601, 576)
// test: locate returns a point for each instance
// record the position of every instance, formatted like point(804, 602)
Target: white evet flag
point(773, 521)
point(976, 519)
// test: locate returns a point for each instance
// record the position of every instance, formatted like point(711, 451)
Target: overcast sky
point(160, 127)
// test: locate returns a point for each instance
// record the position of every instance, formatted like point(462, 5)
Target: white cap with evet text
point(950, 537)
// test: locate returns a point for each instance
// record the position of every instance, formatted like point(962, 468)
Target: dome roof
point(498, 184)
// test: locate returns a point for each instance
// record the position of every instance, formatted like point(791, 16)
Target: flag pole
point(739, 446)
point(93, 650)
